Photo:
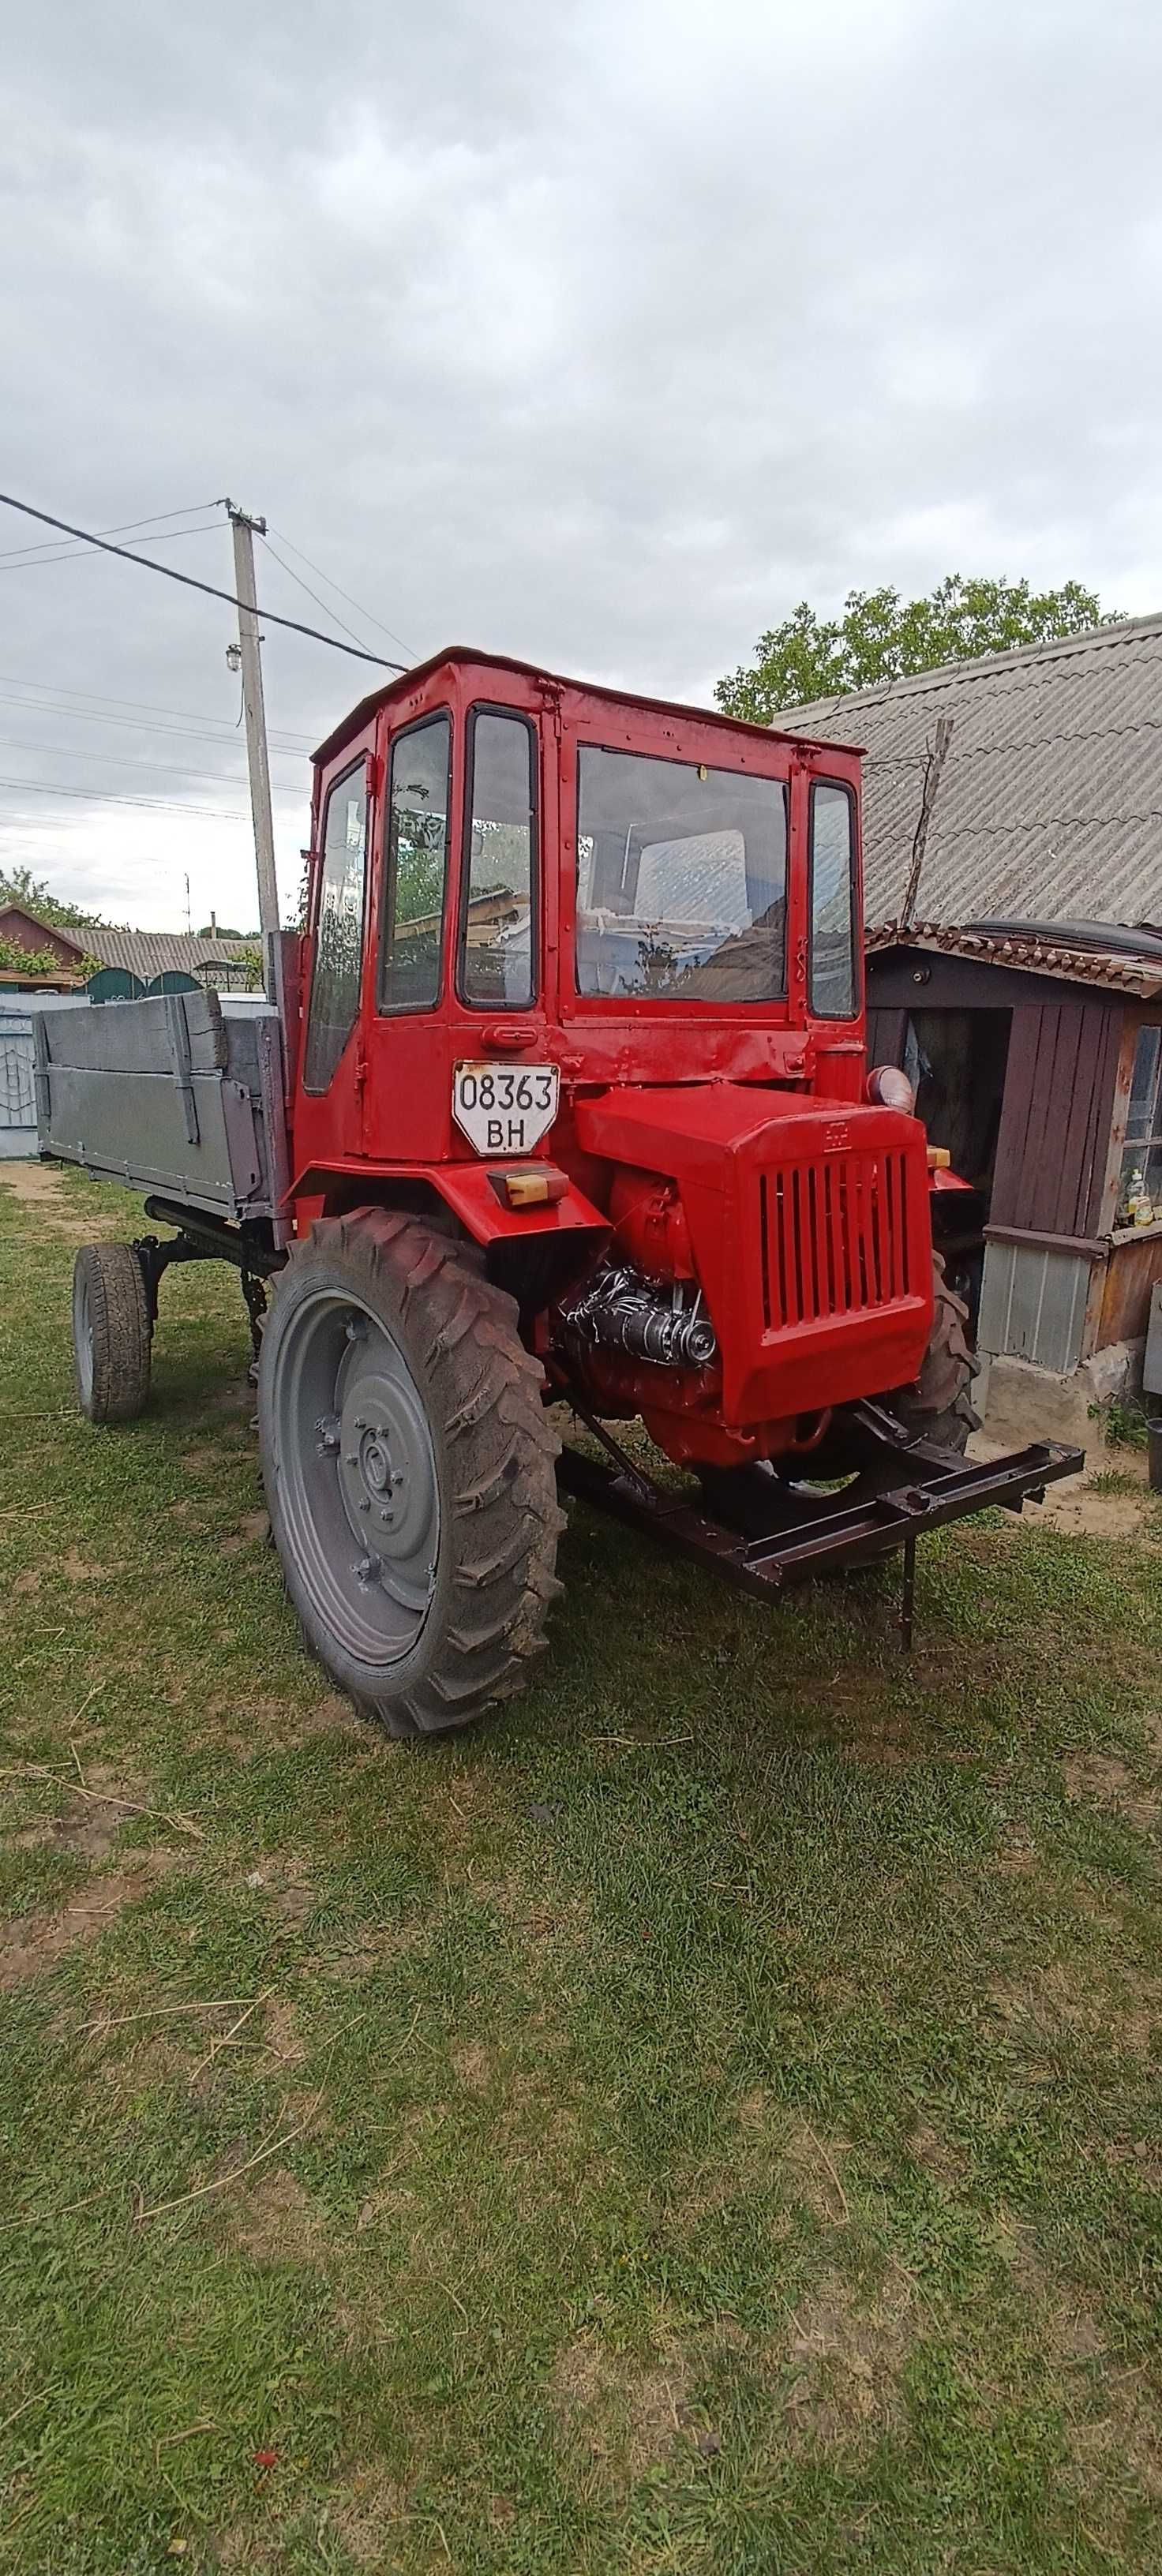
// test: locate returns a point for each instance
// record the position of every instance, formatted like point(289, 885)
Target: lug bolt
point(350, 1458)
point(367, 1567)
point(397, 1476)
point(364, 1505)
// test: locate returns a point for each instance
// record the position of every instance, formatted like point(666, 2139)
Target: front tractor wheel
point(409, 1471)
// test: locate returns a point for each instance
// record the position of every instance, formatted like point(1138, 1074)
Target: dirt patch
point(938, 2156)
point(284, 2042)
point(35, 1942)
point(847, 2363)
point(471, 2065)
point(250, 1531)
point(1071, 1999)
point(273, 2220)
point(621, 2418)
point(79, 1569)
point(89, 1826)
point(1101, 1777)
point(39, 1189)
point(363, 2521)
point(27, 1585)
point(1084, 1511)
point(283, 1880)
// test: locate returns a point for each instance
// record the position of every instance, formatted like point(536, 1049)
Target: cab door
point(332, 1066)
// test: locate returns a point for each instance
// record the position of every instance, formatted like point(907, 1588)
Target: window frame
point(385, 1010)
point(319, 1090)
point(1140, 1148)
point(843, 788)
point(513, 715)
point(701, 1005)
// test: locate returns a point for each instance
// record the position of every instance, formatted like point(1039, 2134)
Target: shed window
point(1140, 1185)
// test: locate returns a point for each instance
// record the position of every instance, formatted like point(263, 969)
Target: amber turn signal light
point(535, 1185)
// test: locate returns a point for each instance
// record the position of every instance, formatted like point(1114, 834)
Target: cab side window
point(496, 934)
point(338, 928)
point(415, 872)
point(834, 985)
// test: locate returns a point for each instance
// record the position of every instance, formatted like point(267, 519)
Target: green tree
point(883, 637)
point(18, 885)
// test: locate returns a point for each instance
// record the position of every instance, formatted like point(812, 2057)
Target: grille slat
point(833, 1237)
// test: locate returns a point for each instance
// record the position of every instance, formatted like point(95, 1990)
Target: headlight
point(891, 1088)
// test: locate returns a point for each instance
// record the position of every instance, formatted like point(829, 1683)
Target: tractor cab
point(508, 866)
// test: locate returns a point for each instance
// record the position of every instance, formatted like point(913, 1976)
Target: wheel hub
point(384, 1460)
point(364, 1485)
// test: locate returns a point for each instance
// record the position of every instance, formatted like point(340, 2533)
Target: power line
point(191, 723)
point(305, 585)
point(119, 760)
point(94, 796)
point(46, 555)
point(357, 652)
point(227, 740)
point(365, 613)
point(124, 529)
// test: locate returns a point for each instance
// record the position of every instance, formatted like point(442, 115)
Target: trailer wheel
point(111, 1333)
point(409, 1471)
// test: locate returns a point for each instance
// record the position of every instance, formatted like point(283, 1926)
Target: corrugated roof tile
point(1050, 799)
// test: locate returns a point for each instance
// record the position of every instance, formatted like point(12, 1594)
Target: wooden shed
point(1037, 1056)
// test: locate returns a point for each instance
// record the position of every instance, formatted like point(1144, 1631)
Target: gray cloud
point(600, 336)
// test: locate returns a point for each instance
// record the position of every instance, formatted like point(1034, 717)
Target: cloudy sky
point(599, 334)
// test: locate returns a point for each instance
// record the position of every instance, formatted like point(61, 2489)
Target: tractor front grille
point(833, 1237)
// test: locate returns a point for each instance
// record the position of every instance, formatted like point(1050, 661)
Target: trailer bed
point(180, 1092)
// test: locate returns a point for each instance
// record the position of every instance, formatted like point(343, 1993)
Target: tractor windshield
point(681, 880)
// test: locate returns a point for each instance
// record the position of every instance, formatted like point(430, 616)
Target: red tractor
point(562, 1096)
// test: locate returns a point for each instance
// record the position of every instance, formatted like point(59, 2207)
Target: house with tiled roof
point(143, 953)
point(1012, 825)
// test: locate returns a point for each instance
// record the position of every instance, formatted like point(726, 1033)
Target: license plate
point(505, 1109)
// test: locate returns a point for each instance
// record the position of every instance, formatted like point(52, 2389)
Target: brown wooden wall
point(1054, 1137)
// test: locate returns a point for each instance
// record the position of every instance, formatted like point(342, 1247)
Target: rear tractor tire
point(111, 1333)
point(409, 1471)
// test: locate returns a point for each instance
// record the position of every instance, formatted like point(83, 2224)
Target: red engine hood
point(810, 1228)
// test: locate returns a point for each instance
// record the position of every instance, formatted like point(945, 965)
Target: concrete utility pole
point(255, 711)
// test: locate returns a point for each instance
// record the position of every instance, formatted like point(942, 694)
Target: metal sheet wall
point(1032, 1305)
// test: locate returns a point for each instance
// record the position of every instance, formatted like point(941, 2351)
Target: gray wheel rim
point(83, 1336)
point(358, 1483)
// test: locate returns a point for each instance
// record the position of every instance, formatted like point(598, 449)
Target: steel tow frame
point(820, 1534)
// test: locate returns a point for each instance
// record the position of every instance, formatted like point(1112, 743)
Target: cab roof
point(460, 655)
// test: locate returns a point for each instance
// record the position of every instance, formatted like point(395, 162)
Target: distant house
point(40, 938)
point(144, 953)
point(1013, 870)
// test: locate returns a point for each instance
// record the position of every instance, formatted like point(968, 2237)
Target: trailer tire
point(111, 1333)
point(409, 1471)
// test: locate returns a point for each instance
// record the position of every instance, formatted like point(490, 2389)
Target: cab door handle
point(504, 1039)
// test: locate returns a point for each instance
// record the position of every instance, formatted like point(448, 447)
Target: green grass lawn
point(705, 2120)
